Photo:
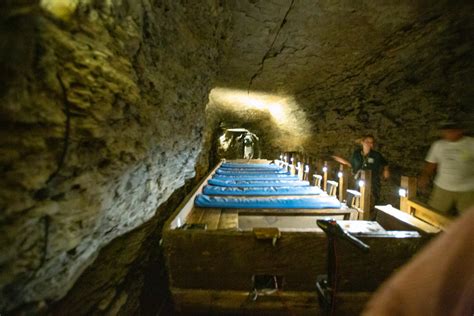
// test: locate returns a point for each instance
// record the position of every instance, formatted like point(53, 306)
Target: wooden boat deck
point(215, 255)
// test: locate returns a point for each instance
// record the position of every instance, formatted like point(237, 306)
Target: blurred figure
point(249, 140)
point(452, 160)
point(439, 281)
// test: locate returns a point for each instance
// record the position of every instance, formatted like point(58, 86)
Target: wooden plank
point(195, 216)
point(353, 216)
point(318, 179)
point(343, 182)
point(225, 260)
point(425, 213)
point(248, 161)
point(294, 211)
point(363, 272)
point(211, 302)
point(187, 205)
point(292, 169)
point(325, 175)
point(347, 212)
point(283, 222)
point(409, 184)
point(211, 217)
point(301, 170)
point(392, 219)
point(229, 220)
point(366, 196)
point(353, 199)
point(332, 187)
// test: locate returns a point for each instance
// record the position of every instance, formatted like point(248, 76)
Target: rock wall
point(102, 115)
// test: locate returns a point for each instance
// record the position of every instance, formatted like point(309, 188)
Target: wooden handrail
point(425, 213)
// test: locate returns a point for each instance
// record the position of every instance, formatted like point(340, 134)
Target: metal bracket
point(267, 233)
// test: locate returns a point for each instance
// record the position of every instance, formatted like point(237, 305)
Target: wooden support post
point(409, 185)
point(366, 196)
point(306, 170)
point(300, 170)
point(343, 177)
point(325, 175)
point(292, 168)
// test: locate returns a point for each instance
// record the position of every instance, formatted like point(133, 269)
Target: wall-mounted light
point(402, 192)
point(306, 168)
point(292, 159)
point(286, 158)
point(339, 174)
point(361, 183)
point(325, 169)
point(281, 157)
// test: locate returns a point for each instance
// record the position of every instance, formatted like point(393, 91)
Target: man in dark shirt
point(365, 158)
point(368, 159)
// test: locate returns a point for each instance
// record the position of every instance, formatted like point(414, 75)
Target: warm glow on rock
point(287, 122)
point(62, 9)
point(279, 106)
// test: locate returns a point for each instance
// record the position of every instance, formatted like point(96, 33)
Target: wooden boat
point(240, 261)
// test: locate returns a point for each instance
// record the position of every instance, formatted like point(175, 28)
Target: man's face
point(451, 134)
point(368, 143)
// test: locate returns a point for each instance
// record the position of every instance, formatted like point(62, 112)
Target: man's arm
point(386, 172)
point(341, 160)
point(386, 169)
point(428, 171)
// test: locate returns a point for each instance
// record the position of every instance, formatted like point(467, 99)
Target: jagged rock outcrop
point(102, 115)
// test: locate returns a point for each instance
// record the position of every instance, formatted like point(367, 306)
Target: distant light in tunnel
point(241, 99)
point(287, 122)
point(276, 110)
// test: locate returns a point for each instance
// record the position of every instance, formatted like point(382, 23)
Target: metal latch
point(265, 233)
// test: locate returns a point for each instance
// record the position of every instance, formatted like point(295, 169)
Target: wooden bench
point(393, 219)
point(413, 212)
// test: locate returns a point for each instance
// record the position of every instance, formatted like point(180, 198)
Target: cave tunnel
point(111, 112)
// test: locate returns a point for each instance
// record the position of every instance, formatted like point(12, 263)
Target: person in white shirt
point(452, 160)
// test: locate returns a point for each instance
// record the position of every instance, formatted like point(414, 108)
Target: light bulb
point(402, 192)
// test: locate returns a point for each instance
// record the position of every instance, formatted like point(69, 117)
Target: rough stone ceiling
point(293, 45)
point(388, 68)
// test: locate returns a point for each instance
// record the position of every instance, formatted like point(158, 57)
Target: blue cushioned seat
point(203, 200)
point(262, 191)
point(257, 183)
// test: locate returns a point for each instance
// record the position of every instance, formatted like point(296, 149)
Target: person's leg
point(375, 200)
point(464, 200)
point(442, 200)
